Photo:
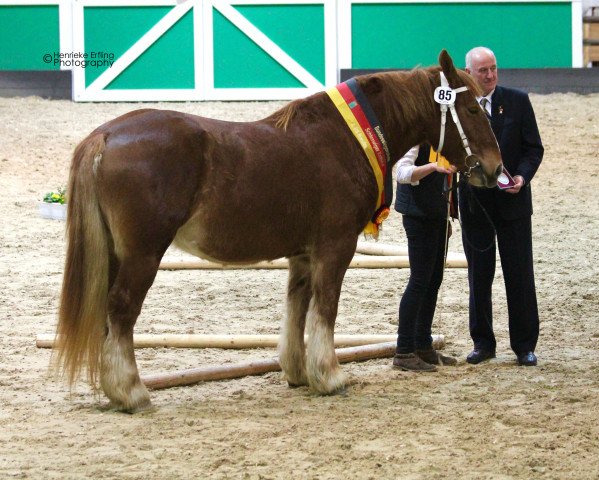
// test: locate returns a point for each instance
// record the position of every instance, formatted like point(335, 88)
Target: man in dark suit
point(505, 215)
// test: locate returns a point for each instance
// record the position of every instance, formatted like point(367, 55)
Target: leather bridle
point(445, 96)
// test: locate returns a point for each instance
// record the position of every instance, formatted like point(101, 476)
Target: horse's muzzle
point(477, 175)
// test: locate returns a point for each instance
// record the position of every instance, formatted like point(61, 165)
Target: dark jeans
point(426, 250)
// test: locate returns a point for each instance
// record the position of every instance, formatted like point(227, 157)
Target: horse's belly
point(232, 240)
point(189, 243)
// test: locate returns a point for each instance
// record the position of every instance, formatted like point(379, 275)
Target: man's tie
point(483, 103)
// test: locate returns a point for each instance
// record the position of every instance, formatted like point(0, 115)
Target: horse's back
point(228, 191)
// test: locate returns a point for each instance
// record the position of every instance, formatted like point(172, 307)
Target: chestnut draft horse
point(296, 184)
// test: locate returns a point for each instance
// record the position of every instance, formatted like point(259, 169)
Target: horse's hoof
point(296, 385)
point(295, 381)
point(141, 407)
point(120, 408)
point(332, 385)
point(341, 391)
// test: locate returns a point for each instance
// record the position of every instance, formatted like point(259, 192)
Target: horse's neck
point(404, 126)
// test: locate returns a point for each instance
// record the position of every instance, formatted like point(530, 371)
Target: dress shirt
point(405, 166)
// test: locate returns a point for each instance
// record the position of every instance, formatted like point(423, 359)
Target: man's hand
point(519, 183)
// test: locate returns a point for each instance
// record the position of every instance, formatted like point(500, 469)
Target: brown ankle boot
point(433, 357)
point(412, 363)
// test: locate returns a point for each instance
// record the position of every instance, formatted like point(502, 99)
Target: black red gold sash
point(353, 106)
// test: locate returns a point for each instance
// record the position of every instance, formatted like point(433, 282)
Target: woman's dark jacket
point(427, 199)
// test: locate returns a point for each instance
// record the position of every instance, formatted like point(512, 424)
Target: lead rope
point(448, 187)
point(487, 216)
point(450, 190)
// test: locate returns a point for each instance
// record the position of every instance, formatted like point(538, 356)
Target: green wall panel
point(522, 35)
point(240, 63)
point(167, 63)
point(27, 33)
point(297, 29)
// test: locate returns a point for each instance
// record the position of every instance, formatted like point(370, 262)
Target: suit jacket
point(515, 127)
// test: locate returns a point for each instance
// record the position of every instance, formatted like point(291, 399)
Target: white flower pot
point(54, 211)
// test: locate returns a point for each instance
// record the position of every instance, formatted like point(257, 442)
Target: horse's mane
point(414, 89)
point(283, 116)
point(397, 86)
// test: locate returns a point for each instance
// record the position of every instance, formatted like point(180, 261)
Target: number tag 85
point(444, 95)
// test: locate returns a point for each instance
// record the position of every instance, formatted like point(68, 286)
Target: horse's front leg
point(292, 354)
point(119, 376)
point(328, 269)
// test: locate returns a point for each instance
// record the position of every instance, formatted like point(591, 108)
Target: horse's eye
point(474, 109)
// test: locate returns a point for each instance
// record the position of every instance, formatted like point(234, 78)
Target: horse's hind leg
point(322, 367)
point(292, 355)
point(119, 376)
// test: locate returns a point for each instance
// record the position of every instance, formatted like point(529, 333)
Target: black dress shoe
point(479, 355)
point(528, 359)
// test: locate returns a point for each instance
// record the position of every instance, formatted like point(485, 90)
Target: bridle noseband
point(445, 96)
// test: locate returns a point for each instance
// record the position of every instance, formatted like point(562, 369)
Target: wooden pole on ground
point(281, 263)
point(454, 260)
point(235, 341)
point(375, 248)
point(256, 367)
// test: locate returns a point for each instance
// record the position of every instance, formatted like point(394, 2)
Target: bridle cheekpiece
point(445, 96)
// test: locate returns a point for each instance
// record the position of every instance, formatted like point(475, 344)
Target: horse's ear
point(372, 85)
point(448, 67)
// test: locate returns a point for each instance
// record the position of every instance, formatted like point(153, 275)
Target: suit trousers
point(426, 251)
point(514, 240)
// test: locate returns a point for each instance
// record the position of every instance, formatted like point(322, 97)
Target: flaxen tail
point(83, 302)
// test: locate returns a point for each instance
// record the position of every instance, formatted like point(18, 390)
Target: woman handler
point(424, 206)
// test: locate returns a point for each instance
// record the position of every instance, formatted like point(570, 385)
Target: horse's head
point(463, 134)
